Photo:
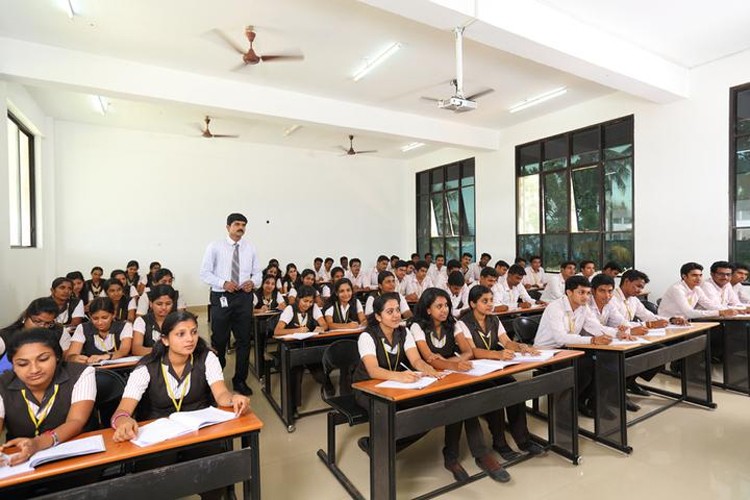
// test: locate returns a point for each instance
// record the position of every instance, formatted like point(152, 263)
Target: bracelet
point(113, 420)
point(55, 437)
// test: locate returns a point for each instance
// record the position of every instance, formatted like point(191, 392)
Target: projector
point(457, 104)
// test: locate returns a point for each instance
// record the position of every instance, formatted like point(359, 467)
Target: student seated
point(44, 400)
point(147, 328)
point(433, 329)
point(344, 310)
point(488, 279)
point(458, 293)
point(40, 313)
point(718, 289)
point(556, 285)
point(387, 284)
point(162, 277)
point(402, 278)
point(416, 287)
point(686, 298)
point(466, 262)
point(380, 265)
point(501, 267)
point(122, 277)
point(93, 287)
point(124, 306)
point(267, 297)
point(147, 280)
point(70, 311)
point(101, 338)
point(587, 269)
point(612, 269)
point(488, 340)
point(739, 276)
point(291, 279)
point(568, 321)
point(437, 272)
point(535, 279)
point(324, 273)
point(131, 274)
point(356, 276)
point(76, 277)
point(387, 352)
point(307, 278)
point(512, 293)
point(476, 268)
point(336, 274)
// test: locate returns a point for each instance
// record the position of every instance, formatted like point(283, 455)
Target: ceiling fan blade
point(431, 99)
point(225, 136)
point(240, 66)
point(480, 94)
point(365, 152)
point(345, 150)
point(234, 45)
point(282, 57)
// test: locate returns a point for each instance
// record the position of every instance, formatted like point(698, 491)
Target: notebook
point(299, 335)
point(180, 423)
point(126, 359)
point(481, 367)
point(69, 449)
point(543, 355)
point(419, 384)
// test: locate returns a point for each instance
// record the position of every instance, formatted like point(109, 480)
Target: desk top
point(719, 319)
point(126, 364)
point(536, 308)
point(266, 314)
point(117, 452)
point(671, 335)
point(455, 380)
point(338, 332)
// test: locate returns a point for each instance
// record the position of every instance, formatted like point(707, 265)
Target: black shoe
point(636, 389)
point(242, 388)
point(364, 444)
point(455, 468)
point(630, 405)
point(492, 467)
point(506, 452)
point(532, 448)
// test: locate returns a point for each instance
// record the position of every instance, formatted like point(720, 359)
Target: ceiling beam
point(539, 33)
point(33, 63)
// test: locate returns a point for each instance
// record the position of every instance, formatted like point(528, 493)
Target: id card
point(223, 301)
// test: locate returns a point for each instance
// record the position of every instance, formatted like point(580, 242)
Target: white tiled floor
point(686, 452)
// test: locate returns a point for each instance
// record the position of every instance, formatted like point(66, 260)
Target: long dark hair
point(170, 322)
point(335, 294)
point(35, 336)
point(377, 307)
point(422, 317)
point(37, 306)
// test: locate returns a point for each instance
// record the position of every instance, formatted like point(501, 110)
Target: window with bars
point(445, 210)
point(739, 173)
point(21, 188)
point(574, 195)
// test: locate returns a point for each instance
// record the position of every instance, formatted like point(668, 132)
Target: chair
point(110, 386)
point(342, 355)
point(525, 328)
point(651, 306)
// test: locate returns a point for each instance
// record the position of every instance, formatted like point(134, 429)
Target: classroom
point(124, 107)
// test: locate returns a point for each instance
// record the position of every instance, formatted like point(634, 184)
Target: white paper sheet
point(484, 366)
point(657, 332)
point(126, 359)
point(419, 384)
point(74, 448)
point(543, 355)
point(637, 340)
point(300, 336)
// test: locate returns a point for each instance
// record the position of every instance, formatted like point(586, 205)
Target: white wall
point(147, 196)
point(681, 172)
point(25, 272)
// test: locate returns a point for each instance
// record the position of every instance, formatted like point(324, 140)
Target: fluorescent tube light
point(376, 61)
point(412, 145)
point(289, 131)
point(101, 104)
point(69, 7)
point(533, 101)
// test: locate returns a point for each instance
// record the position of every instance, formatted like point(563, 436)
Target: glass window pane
point(586, 247)
point(452, 248)
point(618, 139)
point(423, 221)
point(743, 112)
point(452, 221)
point(618, 195)
point(528, 159)
point(437, 222)
point(528, 245)
point(468, 245)
point(585, 184)
point(555, 153)
point(555, 250)
point(14, 181)
point(619, 248)
point(468, 217)
point(25, 188)
point(743, 154)
point(528, 204)
point(452, 176)
point(742, 200)
point(437, 245)
point(585, 147)
point(437, 179)
point(742, 245)
point(423, 182)
point(556, 202)
point(467, 172)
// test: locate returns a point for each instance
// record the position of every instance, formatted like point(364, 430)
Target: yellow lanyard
point(571, 322)
point(302, 320)
point(177, 403)
point(341, 313)
point(388, 357)
point(102, 343)
point(691, 299)
point(487, 343)
point(43, 412)
point(629, 311)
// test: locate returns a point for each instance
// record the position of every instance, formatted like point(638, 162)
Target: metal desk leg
point(611, 419)
point(251, 486)
point(736, 355)
point(696, 377)
point(287, 396)
point(382, 450)
point(563, 419)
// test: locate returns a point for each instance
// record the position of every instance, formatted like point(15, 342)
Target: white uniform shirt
point(344, 309)
point(323, 275)
point(403, 305)
point(78, 312)
point(742, 292)
point(83, 390)
point(474, 271)
point(609, 317)
point(561, 325)
point(140, 378)
point(509, 296)
point(538, 279)
point(288, 314)
point(279, 299)
point(461, 298)
point(359, 281)
point(437, 275)
point(144, 303)
point(415, 286)
point(554, 290)
point(139, 325)
point(721, 297)
point(680, 300)
point(631, 308)
point(106, 344)
point(367, 347)
point(216, 267)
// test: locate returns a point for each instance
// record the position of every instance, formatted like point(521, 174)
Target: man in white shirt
point(458, 292)
point(739, 276)
point(535, 278)
point(476, 268)
point(466, 265)
point(437, 272)
point(230, 266)
point(324, 274)
point(318, 268)
point(380, 265)
point(568, 321)
point(612, 269)
point(488, 278)
point(556, 284)
point(401, 279)
point(356, 276)
point(501, 267)
point(511, 290)
point(344, 262)
point(686, 298)
point(420, 283)
point(588, 269)
point(718, 288)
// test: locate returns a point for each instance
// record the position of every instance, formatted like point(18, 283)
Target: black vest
point(351, 313)
point(483, 340)
point(121, 309)
point(151, 331)
point(91, 347)
point(388, 360)
point(294, 322)
point(445, 346)
point(70, 307)
point(88, 287)
point(134, 281)
point(17, 419)
point(157, 400)
point(259, 299)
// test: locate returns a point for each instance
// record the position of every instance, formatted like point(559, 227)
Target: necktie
point(236, 264)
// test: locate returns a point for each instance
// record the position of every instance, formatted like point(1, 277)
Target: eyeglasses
point(42, 324)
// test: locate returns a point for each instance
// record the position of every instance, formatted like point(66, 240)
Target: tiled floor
point(686, 452)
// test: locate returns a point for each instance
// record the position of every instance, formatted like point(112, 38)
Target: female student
point(180, 374)
point(307, 278)
point(40, 313)
point(291, 279)
point(76, 277)
point(132, 273)
point(387, 352)
point(336, 274)
point(70, 311)
point(488, 340)
point(124, 306)
point(147, 280)
point(101, 338)
point(267, 297)
point(122, 277)
point(344, 310)
point(302, 316)
point(387, 284)
point(43, 400)
point(147, 329)
point(162, 277)
point(433, 330)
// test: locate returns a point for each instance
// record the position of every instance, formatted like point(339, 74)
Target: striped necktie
point(236, 264)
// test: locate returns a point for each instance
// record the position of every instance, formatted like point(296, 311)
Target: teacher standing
point(230, 266)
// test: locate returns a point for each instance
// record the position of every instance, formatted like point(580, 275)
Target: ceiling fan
point(249, 56)
point(351, 151)
point(209, 135)
point(459, 102)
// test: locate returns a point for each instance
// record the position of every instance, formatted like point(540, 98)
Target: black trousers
point(236, 318)
point(516, 419)
point(474, 436)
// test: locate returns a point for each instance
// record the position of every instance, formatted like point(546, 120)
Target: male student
point(392, 263)
point(437, 272)
point(521, 262)
point(718, 288)
point(739, 276)
point(476, 268)
point(458, 292)
point(466, 258)
point(612, 269)
point(324, 274)
point(401, 279)
point(359, 279)
point(318, 268)
point(344, 262)
point(502, 269)
point(420, 283)
point(535, 278)
point(415, 258)
point(488, 278)
point(427, 258)
point(511, 290)
point(587, 269)
point(686, 298)
point(380, 265)
point(556, 284)
point(568, 321)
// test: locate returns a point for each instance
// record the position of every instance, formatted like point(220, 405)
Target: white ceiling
point(335, 37)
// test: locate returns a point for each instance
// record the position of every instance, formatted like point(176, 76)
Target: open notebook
point(69, 449)
point(180, 423)
point(118, 361)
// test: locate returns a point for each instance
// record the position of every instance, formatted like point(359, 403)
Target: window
point(574, 195)
point(739, 173)
point(21, 196)
point(445, 210)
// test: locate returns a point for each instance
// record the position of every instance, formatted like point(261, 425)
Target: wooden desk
point(613, 364)
point(294, 353)
point(735, 334)
point(171, 481)
point(396, 414)
point(257, 366)
point(517, 311)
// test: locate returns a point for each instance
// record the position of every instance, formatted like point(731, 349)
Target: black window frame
point(733, 136)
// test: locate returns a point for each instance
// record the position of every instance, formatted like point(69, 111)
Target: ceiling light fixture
point(69, 8)
point(411, 145)
point(376, 61)
point(289, 131)
point(533, 101)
